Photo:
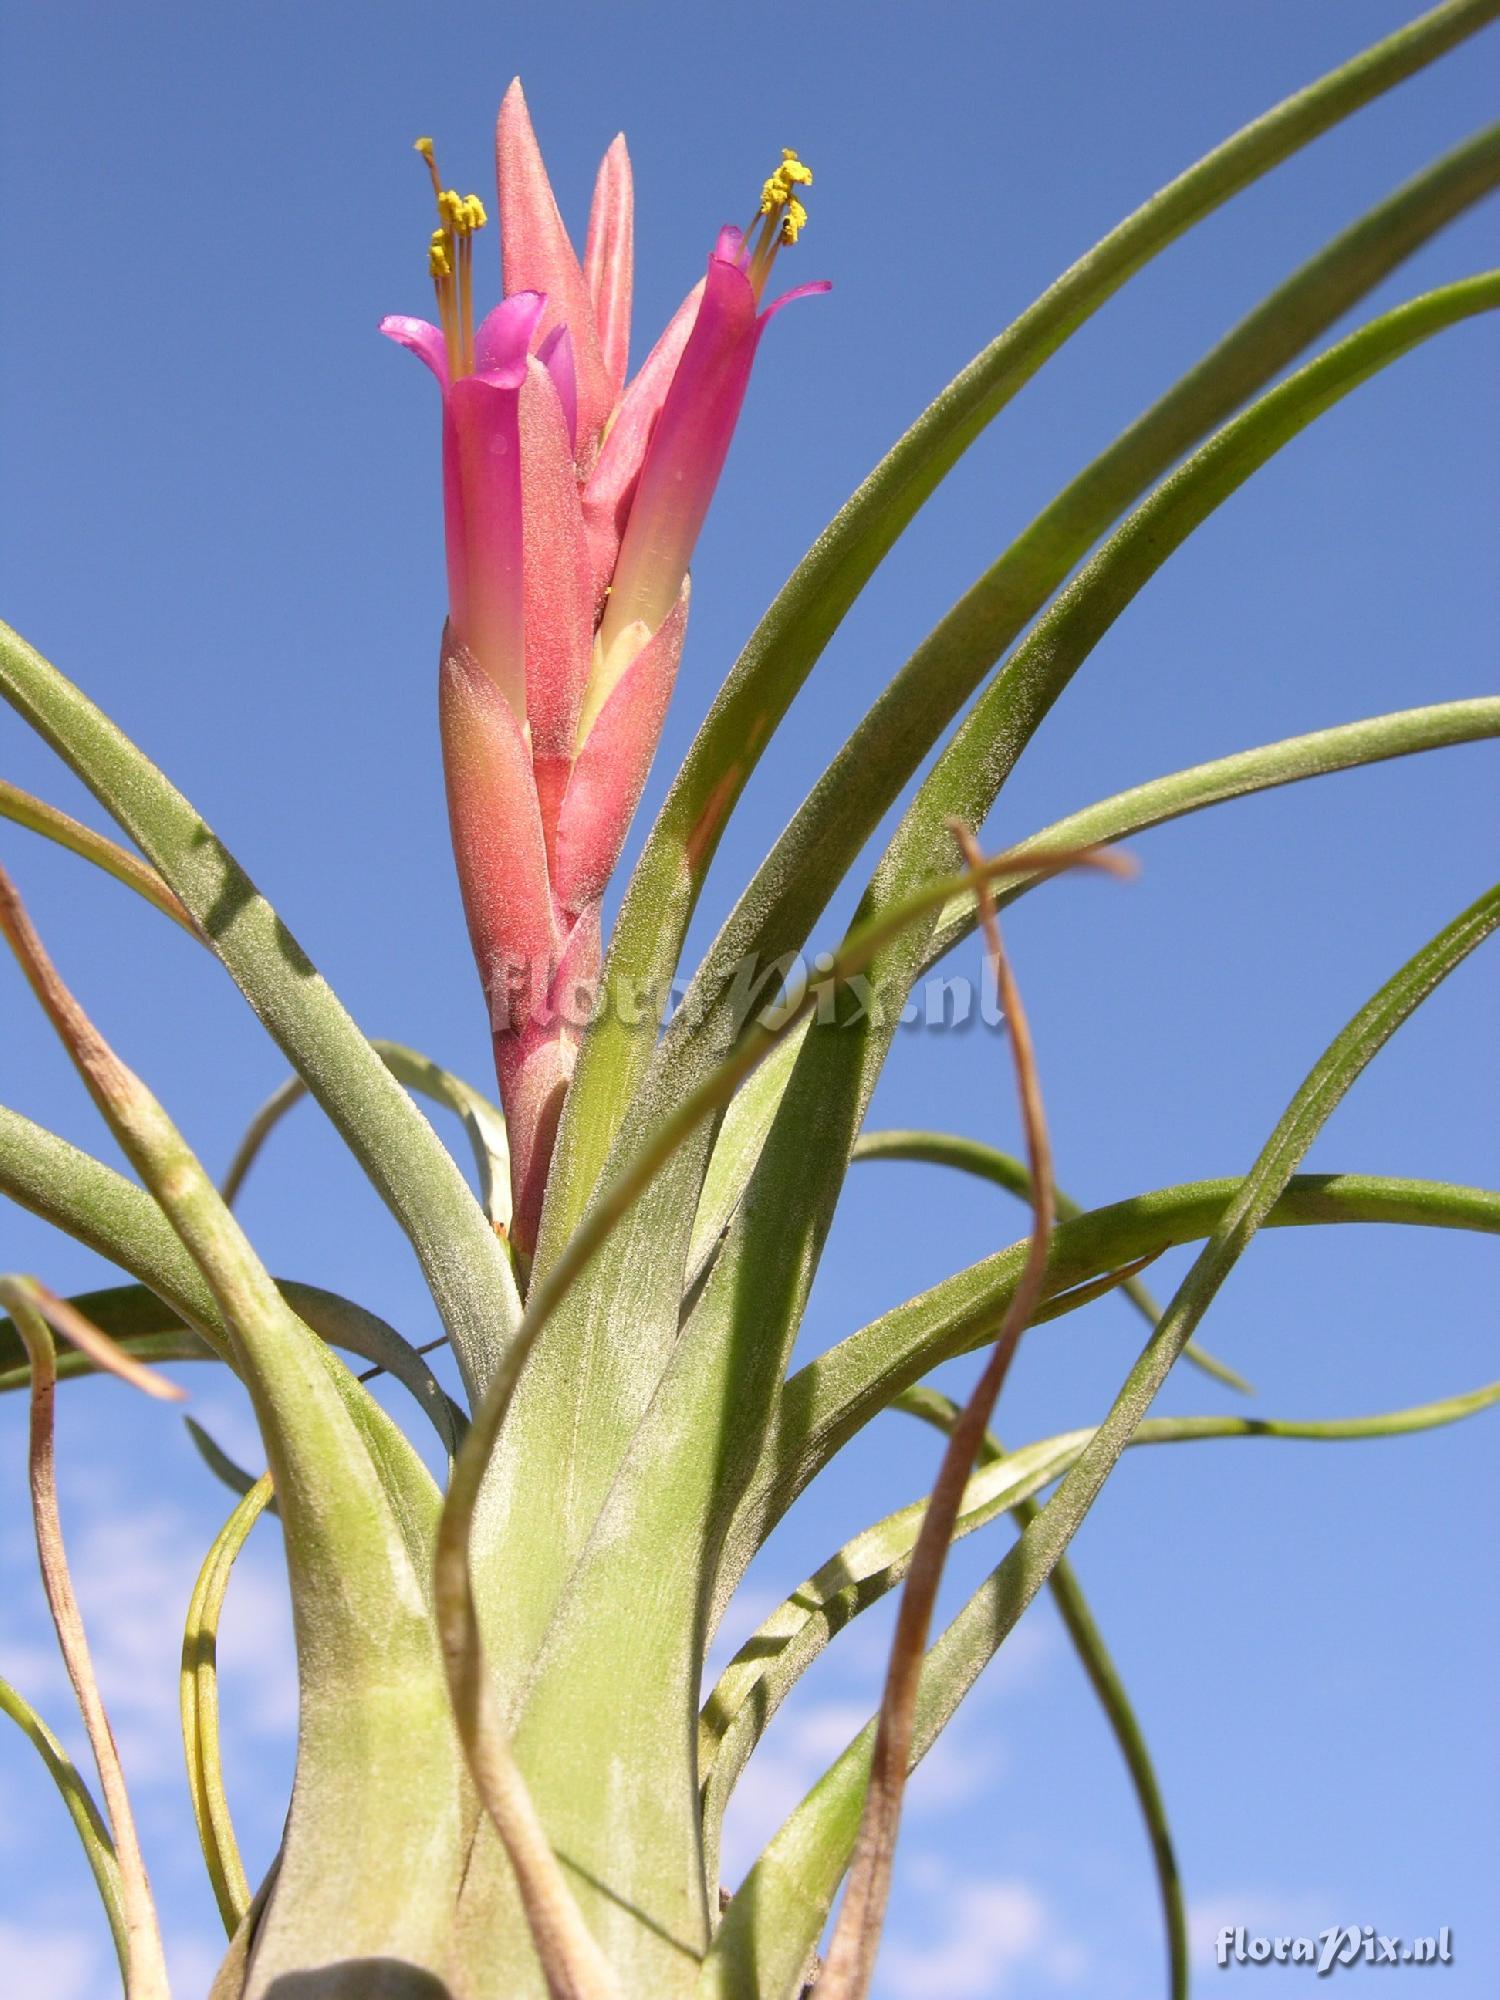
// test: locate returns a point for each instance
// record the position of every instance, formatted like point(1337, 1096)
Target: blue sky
point(221, 518)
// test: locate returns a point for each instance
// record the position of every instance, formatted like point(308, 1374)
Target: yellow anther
point(439, 263)
point(777, 193)
point(461, 213)
point(781, 217)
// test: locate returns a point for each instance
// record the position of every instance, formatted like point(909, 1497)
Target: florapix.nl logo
point(1335, 1949)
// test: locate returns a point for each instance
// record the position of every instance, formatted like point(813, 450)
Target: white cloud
point(809, 1734)
point(42, 1963)
point(133, 1569)
point(134, 1573)
point(989, 1935)
point(804, 1741)
point(805, 1738)
point(964, 1762)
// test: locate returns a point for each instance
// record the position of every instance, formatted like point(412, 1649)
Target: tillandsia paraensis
point(513, 1758)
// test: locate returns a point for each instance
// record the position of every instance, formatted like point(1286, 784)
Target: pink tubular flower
point(572, 503)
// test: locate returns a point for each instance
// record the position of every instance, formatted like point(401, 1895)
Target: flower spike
point(572, 505)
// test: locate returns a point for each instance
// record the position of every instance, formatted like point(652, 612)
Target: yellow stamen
point(466, 301)
point(450, 262)
point(780, 218)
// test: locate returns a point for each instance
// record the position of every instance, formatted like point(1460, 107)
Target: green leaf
point(604, 1358)
point(653, 1909)
point(199, 1691)
point(756, 1682)
point(1347, 746)
point(176, 1317)
point(36, 1311)
point(744, 1324)
point(973, 1156)
point(225, 1469)
point(827, 1402)
point(483, 1121)
point(98, 1848)
point(780, 1910)
point(466, 1266)
point(379, 1781)
point(758, 1679)
point(82, 840)
point(931, 1406)
point(777, 912)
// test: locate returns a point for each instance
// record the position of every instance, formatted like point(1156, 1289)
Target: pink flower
point(572, 503)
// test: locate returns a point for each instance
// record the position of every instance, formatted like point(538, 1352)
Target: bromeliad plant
point(509, 1780)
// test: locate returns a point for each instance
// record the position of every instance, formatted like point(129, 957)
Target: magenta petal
point(730, 246)
point(559, 610)
point(424, 340)
point(610, 487)
point(497, 835)
point(609, 260)
point(610, 773)
point(686, 454)
point(538, 256)
point(482, 478)
point(503, 339)
point(812, 290)
point(556, 356)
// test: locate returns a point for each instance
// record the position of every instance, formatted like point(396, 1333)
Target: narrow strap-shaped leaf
point(199, 1703)
point(792, 886)
point(466, 1266)
point(973, 1156)
point(833, 1397)
point(1104, 1678)
point(483, 1121)
point(83, 841)
point(181, 1345)
point(854, 1943)
point(780, 1910)
point(230, 1979)
point(379, 1781)
point(176, 1318)
point(98, 1848)
point(655, 1896)
point(528, 1362)
point(756, 1682)
point(604, 1362)
point(225, 1469)
point(753, 1300)
point(145, 1963)
point(791, 637)
point(1347, 746)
